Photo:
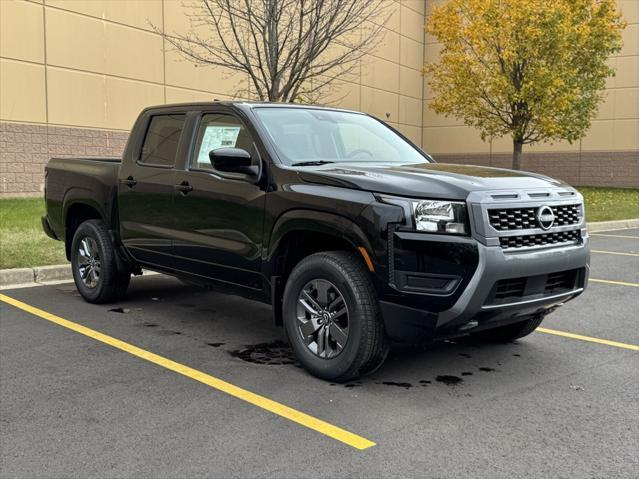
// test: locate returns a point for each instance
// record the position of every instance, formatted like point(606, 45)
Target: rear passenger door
point(145, 192)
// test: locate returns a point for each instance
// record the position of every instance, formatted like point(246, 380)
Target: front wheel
point(95, 271)
point(332, 318)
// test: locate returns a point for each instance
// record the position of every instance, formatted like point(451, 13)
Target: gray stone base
point(25, 149)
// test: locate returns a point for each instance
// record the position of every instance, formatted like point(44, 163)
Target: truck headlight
point(432, 216)
point(440, 216)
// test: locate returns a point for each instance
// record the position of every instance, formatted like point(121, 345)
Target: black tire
point(110, 284)
point(366, 346)
point(510, 332)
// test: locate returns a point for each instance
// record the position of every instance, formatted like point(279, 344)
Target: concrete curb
point(16, 276)
point(52, 273)
point(61, 272)
point(39, 274)
point(57, 273)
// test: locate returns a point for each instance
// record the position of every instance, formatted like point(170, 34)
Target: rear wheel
point(331, 317)
point(510, 332)
point(93, 263)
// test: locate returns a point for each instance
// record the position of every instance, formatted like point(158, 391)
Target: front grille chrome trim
point(535, 300)
point(538, 231)
point(524, 249)
point(546, 239)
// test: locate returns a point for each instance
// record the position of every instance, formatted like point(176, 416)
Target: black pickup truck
point(354, 235)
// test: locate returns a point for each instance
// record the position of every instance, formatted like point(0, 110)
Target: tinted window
point(219, 130)
point(161, 142)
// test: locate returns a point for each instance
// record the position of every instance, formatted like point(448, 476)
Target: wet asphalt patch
point(397, 384)
point(273, 353)
point(279, 353)
point(119, 310)
point(449, 380)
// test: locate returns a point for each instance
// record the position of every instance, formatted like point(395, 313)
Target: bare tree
point(290, 49)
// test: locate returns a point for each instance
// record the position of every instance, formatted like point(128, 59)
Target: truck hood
point(432, 180)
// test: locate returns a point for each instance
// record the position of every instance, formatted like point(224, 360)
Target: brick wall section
point(592, 168)
point(25, 149)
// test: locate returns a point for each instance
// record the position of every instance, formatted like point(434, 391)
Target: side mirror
point(233, 160)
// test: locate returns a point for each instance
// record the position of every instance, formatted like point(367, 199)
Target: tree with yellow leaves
point(532, 69)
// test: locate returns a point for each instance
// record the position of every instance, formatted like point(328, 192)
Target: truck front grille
point(543, 239)
point(510, 288)
point(512, 218)
point(561, 281)
point(508, 219)
point(513, 290)
point(566, 214)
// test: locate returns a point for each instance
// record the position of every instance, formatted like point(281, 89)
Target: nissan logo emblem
point(545, 217)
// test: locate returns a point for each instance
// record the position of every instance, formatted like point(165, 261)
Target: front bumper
point(416, 317)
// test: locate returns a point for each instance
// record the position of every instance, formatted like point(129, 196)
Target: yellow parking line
point(618, 283)
point(274, 407)
point(614, 236)
point(600, 251)
point(632, 347)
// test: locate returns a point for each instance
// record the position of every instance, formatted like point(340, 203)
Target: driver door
point(219, 216)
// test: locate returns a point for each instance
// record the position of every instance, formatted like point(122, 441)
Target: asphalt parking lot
point(152, 389)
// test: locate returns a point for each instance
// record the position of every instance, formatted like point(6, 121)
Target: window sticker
point(215, 137)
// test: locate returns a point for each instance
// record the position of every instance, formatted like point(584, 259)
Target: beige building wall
point(608, 155)
point(74, 74)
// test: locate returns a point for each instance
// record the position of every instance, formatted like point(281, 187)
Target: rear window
point(161, 141)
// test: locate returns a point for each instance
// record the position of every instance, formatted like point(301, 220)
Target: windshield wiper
point(312, 163)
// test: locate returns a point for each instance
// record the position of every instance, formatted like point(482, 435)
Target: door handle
point(130, 182)
point(184, 188)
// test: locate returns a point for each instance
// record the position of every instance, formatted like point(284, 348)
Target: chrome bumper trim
point(531, 301)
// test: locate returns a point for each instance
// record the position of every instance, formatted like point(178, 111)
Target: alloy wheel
point(322, 318)
point(88, 262)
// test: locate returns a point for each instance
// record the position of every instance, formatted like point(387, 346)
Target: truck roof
point(243, 104)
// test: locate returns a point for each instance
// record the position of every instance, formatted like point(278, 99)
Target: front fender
point(317, 221)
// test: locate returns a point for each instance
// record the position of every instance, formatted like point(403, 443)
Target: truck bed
point(93, 181)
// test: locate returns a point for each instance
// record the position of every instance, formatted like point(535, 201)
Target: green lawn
point(23, 243)
point(605, 204)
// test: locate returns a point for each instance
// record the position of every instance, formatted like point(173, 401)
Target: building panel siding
point(74, 74)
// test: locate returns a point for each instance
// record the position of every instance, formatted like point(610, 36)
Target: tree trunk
point(517, 155)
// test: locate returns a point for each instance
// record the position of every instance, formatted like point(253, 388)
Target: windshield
point(313, 136)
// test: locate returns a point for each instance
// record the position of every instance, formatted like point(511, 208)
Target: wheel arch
point(300, 233)
point(77, 212)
